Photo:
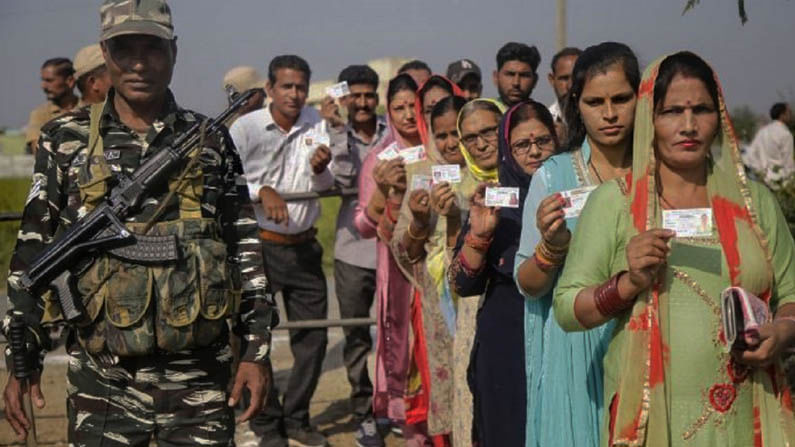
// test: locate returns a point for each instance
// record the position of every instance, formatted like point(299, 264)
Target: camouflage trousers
point(178, 399)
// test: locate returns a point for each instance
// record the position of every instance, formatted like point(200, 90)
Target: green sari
point(669, 378)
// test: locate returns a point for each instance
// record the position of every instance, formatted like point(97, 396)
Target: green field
point(15, 191)
point(12, 144)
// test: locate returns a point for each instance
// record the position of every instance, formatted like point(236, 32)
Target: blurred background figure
point(91, 75)
point(242, 79)
point(770, 154)
point(466, 74)
point(58, 83)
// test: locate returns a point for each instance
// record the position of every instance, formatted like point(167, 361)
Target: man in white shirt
point(560, 80)
point(770, 154)
point(284, 148)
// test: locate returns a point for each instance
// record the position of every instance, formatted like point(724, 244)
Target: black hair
point(451, 103)
point(359, 74)
point(288, 61)
point(81, 82)
point(533, 110)
point(414, 65)
point(777, 110)
point(515, 51)
point(435, 81)
point(63, 66)
point(594, 60)
point(398, 84)
point(688, 65)
point(475, 105)
point(566, 52)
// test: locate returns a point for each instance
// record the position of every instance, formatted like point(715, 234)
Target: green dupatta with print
point(642, 377)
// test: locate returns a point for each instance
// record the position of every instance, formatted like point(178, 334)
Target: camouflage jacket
point(53, 204)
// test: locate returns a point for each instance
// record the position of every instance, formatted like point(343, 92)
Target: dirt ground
point(329, 408)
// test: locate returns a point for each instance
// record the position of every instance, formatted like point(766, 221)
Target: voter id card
point(692, 222)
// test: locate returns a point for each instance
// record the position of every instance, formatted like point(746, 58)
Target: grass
point(15, 191)
point(11, 200)
point(13, 144)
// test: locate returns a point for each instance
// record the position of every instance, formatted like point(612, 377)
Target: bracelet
point(543, 265)
point(550, 256)
point(388, 211)
point(478, 243)
point(415, 237)
point(468, 270)
point(607, 299)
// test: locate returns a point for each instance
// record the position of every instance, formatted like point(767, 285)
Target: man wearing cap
point(466, 74)
point(91, 75)
point(57, 82)
point(151, 359)
point(240, 80)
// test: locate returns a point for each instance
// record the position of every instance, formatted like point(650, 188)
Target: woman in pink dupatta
point(382, 184)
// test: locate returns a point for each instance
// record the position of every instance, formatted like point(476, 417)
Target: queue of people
point(529, 287)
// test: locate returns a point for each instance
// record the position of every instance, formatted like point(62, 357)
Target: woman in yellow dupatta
point(670, 378)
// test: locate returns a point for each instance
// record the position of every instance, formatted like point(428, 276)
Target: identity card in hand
point(412, 154)
point(421, 182)
point(505, 197)
point(389, 153)
point(337, 91)
point(692, 222)
point(575, 200)
point(317, 138)
point(446, 173)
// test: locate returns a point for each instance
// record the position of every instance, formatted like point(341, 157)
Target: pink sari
point(393, 293)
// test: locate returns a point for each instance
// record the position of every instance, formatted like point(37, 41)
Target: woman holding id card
point(670, 376)
point(564, 370)
point(483, 264)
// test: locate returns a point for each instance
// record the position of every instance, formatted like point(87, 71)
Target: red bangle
point(607, 299)
point(388, 211)
point(468, 270)
point(478, 243)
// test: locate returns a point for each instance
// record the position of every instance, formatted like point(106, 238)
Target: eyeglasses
point(489, 135)
point(522, 147)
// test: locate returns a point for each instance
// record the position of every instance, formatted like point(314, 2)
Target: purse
point(742, 313)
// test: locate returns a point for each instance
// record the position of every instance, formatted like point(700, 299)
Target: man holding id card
point(285, 148)
point(355, 256)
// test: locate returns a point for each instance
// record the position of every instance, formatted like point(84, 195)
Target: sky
point(754, 61)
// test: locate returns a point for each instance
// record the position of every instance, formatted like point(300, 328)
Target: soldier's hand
point(275, 207)
point(256, 378)
point(12, 398)
point(320, 159)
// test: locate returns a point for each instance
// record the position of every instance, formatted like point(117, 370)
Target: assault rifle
point(103, 229)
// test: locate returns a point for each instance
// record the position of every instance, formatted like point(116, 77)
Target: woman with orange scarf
point(670, 376)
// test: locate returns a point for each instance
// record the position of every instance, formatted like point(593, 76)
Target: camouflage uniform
point(177, 395)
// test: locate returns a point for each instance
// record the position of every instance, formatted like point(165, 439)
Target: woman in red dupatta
point(670, 378)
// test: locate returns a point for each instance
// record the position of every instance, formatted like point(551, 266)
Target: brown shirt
point(40, 116)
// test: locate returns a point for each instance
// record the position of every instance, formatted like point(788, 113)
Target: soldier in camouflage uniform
point(152, 358)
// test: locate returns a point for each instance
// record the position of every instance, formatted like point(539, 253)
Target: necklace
point(595, 171)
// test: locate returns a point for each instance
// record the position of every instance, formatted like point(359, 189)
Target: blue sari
point(564, 370)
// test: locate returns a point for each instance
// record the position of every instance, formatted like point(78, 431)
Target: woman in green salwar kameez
point(670, 378)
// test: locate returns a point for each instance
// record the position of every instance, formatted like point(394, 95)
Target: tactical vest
point(133, 309)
